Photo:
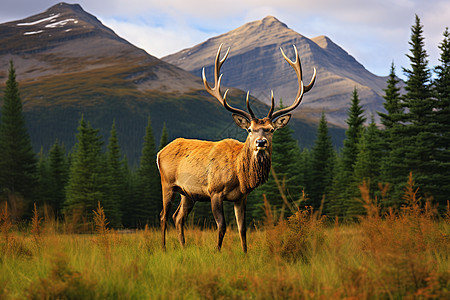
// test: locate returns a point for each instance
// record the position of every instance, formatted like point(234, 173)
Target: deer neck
point(253, 167)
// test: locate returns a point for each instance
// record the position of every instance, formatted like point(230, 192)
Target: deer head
point(260, 131)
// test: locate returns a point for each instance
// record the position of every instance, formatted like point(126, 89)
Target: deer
point(226, 170)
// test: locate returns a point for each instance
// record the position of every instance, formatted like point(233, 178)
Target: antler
point(215, 91)
point(301, 89)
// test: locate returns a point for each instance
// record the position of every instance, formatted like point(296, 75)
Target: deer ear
point(282, 121)
point(241, 121)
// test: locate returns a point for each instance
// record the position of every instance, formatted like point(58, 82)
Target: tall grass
point(400, 254)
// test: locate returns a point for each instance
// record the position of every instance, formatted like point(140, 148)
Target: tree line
point(414, 138)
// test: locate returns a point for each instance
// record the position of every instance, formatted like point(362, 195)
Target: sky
point(375, 32)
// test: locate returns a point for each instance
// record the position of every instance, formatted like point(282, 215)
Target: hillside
point(256, 64)
point(68, 64)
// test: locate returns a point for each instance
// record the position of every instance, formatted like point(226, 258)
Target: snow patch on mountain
point(61, 23)
point(39, 21)
point(33, 32)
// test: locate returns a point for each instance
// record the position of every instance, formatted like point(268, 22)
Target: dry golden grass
point(402, 254)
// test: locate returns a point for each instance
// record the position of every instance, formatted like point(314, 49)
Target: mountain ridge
point(255, 60)
point(69, 64)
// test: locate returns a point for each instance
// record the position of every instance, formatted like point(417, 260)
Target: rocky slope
point(69, 64)
point(256, 64)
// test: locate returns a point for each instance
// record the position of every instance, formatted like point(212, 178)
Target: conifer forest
point(368, 220)
point(413, 138)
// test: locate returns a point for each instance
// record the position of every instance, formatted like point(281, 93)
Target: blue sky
point(375, 32)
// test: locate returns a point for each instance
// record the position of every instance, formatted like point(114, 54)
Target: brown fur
point(212, 167)
point(255, 167)
point(227, 170)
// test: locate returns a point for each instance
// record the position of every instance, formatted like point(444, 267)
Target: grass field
point(399, 255)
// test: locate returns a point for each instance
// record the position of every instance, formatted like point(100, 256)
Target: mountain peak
point(323, 41)
point(269, 23)
point(55, 26)
point(64, 5)
point(272, 21)
point(60, 12)
point(256, 64)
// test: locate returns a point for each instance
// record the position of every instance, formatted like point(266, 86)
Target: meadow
point(390, 255)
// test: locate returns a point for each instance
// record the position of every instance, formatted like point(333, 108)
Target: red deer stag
point(226, 170)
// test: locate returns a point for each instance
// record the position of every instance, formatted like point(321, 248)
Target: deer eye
point(272, 130)
point(249, 130)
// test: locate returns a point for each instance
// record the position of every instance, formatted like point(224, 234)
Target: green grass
point(402, 255)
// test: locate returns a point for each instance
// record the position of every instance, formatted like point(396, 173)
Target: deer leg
point(167, 205)
point(180, 216)
point(239, 211)
point(217, 210)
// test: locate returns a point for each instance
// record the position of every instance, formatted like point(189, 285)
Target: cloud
point(157, 40)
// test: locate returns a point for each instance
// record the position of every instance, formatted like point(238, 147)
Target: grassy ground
point(401, 255)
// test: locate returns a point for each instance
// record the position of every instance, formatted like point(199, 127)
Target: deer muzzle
point(261, 144)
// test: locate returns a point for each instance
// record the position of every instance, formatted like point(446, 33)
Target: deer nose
point(261, 143)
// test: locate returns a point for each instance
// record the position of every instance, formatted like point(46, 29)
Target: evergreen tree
point(285, 154)
point(58, 176)
point(148, 204)
point(18, 161)
point(336, 206)
point(116, 182)
point(392, 102)
point(322, 164)
point(86, 184)
point(393, 121)
point(164, 138)
point(419, 140)
point(442, 119)
point(367, 166)
point(355, 122)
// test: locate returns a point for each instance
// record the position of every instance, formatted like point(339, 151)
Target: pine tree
point(367, 166)
point(419, 140)
point(442, 119)
point(393, 121)
point(285, 153)
point(336, 206)
point(58, 175)
point(355, 122)
point(392, 102)
point(18, 161)
point(148, 204)
point(164, 138)
point(322, 165)
point(86, 184)
point(116, 181)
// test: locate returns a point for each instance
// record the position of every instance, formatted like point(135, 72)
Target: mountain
point(65, 40)
point(69, 64)
point(256, 64)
